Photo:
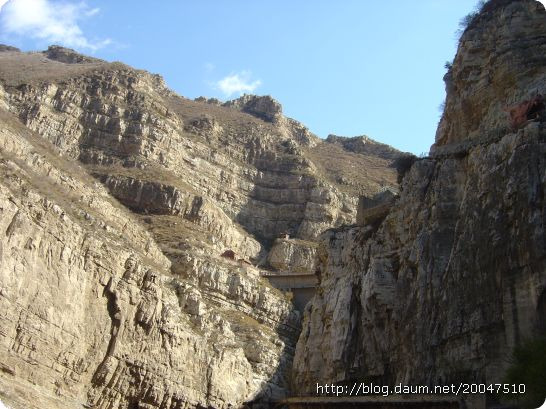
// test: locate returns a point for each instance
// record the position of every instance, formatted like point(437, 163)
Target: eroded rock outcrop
point(454, 277)
point(500, 62)
point(263, 107)
point(448, 284)
point(293, 256)
point(67, 55)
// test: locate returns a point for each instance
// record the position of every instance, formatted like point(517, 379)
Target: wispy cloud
point(92, 12)
point(238, 83)
point(54, 22)
point(209, 67)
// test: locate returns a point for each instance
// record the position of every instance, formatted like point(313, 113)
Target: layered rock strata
point(93, 313)
point(262, 175)
point(118, 199)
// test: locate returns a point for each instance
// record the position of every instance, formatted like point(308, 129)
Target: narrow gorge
point(163, 252)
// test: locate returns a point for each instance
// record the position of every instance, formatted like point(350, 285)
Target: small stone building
point(374, 209)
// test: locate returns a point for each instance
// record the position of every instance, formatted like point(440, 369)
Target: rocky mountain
point(138, 229)
point(453, 278)
point(365, 146)
point(134, 226)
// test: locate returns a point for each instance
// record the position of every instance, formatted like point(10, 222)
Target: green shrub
point(529, 368)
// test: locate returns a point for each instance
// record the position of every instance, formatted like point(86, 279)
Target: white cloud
point(237, 83)
point(209, 67)
point(92, 12)
point(53, 22)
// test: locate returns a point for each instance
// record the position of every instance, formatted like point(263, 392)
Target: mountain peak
point(264, 107)
point(68, 55)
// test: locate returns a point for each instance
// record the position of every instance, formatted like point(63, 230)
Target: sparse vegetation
point(366, 172)
point(467, 20)
point(403, 164)
point(529, 368)
point(289, 295)
point(442, 107)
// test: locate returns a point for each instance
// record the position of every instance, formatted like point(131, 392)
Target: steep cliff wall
point(117, 199)
point(499, 63)
point(454, 277)
point(92, 311)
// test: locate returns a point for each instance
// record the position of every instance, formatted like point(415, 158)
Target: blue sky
point(346, 67)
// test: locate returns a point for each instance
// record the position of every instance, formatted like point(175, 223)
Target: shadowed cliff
point(452, 279)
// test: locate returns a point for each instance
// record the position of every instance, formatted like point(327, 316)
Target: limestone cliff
point(454, 277)
point(118, 199)
point(93, 312)
point(500, 62)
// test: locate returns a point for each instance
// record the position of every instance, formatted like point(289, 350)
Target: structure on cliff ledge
point(292, 269)
point(373, 210)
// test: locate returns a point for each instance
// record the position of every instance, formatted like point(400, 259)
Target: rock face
point(455, 276)
point(294, 256)
point(263, 107)
point(117, 200)
point(93, 312)
point(118, 121)
point(500, 62)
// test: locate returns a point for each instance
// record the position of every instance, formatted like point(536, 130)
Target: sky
point(346, 67)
